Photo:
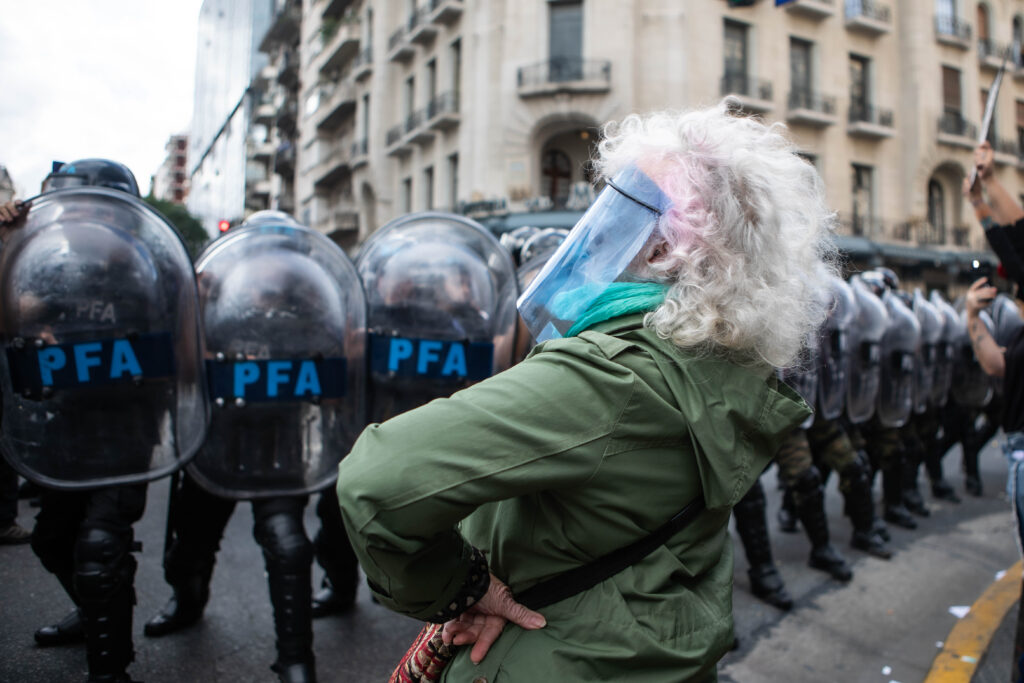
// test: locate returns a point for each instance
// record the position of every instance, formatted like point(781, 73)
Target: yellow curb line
point(969, 639)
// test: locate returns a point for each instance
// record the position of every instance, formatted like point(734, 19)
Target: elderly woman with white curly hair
point(568, 518)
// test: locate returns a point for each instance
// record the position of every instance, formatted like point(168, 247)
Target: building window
point(1018, 41)
point(860, 88)
point(181, 145)
point(951, 97)
point(409, 102)
point(735, 58)
point(456, 61)
point(936, 207)
point(431, 80)
point(407, 195)
point(556, 175)
point(1020, 126)
point(565, 39)
point(453, 181)
point(428, 188)
point(365, 126)
point(800, 75)
point(863, 200)
point(945, 9)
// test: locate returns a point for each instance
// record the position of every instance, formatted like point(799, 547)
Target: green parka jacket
point(586, 446)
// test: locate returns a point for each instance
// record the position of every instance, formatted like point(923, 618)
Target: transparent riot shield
point(952, 330)
point(541, 245)
point(899, 349)
point(926, 363)
point(102, 378)
point(803, 377)
point(513, 240)
point(285, 323)
point(834, 351)
point(441, 297)
point(866, 334)
point(1006, 318)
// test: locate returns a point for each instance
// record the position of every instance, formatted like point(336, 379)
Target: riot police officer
point(284, 318)
point(99, 388)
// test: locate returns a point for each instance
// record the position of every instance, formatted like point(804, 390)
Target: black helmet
point(92, 172)
point(889, 276)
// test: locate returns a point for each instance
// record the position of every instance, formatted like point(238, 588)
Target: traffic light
point(223, 225)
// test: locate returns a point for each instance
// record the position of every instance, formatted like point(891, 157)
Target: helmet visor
point(58, 181)
point(597, 252)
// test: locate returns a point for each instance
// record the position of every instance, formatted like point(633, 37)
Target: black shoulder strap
point(589, 575)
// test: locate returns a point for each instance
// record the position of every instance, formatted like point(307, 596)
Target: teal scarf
point(620, 298)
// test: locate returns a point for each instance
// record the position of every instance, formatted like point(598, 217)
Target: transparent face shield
point(59, 181)
point(597, 252)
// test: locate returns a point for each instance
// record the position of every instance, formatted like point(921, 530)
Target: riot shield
point(285, 323)
point(441, 295)
point(926, 362)
point(866, 334)
point(1006, 318)
point(834, 351)
point(971, 386)
point(899, 348)
point(803, 376)
point(102, 378)
point(513, 240)
point(952, 330)
point(541, 246)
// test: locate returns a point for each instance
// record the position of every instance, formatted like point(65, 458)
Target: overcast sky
point(93, 78)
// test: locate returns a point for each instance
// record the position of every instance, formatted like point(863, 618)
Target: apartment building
point(170, 182)
point(493, 107)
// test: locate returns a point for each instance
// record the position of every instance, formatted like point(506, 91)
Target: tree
point(187, 225)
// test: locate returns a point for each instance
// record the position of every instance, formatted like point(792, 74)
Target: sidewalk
point(995, 665)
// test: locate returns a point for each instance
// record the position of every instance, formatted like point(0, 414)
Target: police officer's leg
point(195, 524)
point(104, 578)
point(289, 558)
point(802, 478)
point(752, 526)
point(831, 446)
point(913, 456)
point(885, 449)
point(979, 431)
point(946, 430)
point(788, 522)
point(334, 553)
point(53, 542)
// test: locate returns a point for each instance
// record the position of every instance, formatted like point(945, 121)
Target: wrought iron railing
point(394, 134)
point(952, 27)
point(865, 113)
point(360, 148)
point(953, 123)
point(445, 103)
point(742, 84)
point(868, 10)
point(808, 99)
point(990, 48)
point(563, 69)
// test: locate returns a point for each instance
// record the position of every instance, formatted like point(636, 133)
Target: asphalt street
point(886, 625)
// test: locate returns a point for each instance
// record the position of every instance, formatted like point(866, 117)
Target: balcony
point(396, 143)
point(337, 102)
point(813, 9)
point(570, 75)
point(284, 29)
point(343, 219)
point(340, 44)
point(869, 122)
point(287, 111)
point(362, 65)
point(261, 151)
point(265, 111)
point(336, 8)
point(360, 153)
point(416, 132)
point(421, 31)
point(284, 159)
point(399, 47)
point(962, 236)
point(288, 74)
point(991, 53)
point(811, 109)
point(445, 12)
point(953, 31)
point(443, 111)
point(868, 17)
point(333, 165)
point(956, 131)
point(927, 233)
point(856, 225)
point(1005, 152)
point(754, 95)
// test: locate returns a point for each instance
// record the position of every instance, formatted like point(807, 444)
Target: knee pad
point(808, 482)
point(284, 541)
point(103, 564)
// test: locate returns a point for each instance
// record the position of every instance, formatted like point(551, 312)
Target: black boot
point(912, 498)
point(972, 485)
point(67, 631)
point(942, 490)
point(108, 631)
point(892, 494)
point(184, 608)
point(787, 514)
point(291, 596)
point(861, 511)
point(328, 600)
point(810, 500)
point(765, 581)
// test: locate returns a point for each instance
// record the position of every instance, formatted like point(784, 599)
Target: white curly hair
point(746, 245)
